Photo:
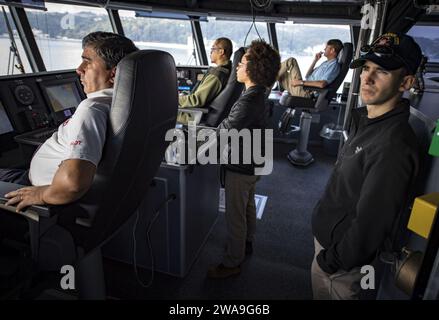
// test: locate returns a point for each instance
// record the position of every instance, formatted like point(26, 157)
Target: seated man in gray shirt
point(290, 77)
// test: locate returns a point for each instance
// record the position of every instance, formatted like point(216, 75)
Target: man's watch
point(302, 83)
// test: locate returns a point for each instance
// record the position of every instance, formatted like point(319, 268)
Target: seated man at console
point(290, 77)
point(62, 169)
point(213, 81)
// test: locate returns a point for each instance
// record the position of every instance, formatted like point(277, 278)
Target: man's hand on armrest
point(25, 197)
point(72, 180)
point(317, 84)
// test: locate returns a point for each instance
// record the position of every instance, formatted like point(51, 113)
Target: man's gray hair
point(111, 47)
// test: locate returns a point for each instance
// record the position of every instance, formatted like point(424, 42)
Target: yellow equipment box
point(423, 213)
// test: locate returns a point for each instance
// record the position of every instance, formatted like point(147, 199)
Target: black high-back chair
point(220, 107)
point(212, 114)
point(319, 102)
point(143, 109)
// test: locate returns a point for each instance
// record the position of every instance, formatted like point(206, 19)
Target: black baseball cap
point(392, 51)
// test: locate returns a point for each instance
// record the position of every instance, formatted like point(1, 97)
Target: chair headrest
point(221, 105)
point(343, 55)
point(237, 56)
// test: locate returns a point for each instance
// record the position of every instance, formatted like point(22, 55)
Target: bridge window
point(7, 58)
point(59, 31)
point(428, 39)
point(303, 41)
point(236, 31)
point(171, 35)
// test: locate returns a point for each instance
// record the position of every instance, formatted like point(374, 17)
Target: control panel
point(188, 77)
point(33, 105)
point(30, 101)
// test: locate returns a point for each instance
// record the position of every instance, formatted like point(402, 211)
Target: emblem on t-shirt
point(358, 149)
point(75, 143)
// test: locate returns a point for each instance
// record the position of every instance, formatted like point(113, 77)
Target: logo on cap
point(387, 39)
point(391, 51)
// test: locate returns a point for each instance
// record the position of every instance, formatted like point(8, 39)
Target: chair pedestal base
point(300, 158)
point(90, 276)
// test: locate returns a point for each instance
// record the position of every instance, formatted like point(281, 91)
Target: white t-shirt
point(80, 137)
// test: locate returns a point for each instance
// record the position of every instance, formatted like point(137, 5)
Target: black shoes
point(221, 271)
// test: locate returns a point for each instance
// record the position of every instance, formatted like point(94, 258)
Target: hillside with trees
point(296, 40)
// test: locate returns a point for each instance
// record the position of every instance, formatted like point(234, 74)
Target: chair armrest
point(318, 103)
point(275, 95)
point(196, 113)
point(308, 88)
point(199, 127)
point(193, 110)
point(32, 212)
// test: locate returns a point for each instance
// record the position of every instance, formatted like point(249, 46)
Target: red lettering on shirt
point(75, 143)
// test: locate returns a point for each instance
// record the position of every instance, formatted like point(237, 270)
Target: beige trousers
point(342, 285)
point(240, 215)
point(289, 70)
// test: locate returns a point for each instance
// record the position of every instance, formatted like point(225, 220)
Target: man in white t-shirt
point(62, 169)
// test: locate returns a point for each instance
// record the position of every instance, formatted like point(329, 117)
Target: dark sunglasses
point(379, 50)
point(382, 51)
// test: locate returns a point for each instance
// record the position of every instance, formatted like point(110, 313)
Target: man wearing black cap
point(364, 197)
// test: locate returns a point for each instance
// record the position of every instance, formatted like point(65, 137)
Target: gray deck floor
point(279, 267)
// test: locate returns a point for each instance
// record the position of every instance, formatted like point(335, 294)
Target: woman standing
point(258, 70)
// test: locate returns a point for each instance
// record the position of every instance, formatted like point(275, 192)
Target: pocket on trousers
point(345, 284)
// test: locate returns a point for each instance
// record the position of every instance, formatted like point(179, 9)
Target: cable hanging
point(260, 5)
point(171, 197)
point(104, 3)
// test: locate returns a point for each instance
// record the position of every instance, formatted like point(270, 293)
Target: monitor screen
point(184, 82)
point(187, 78)
point(5, 124)
point(183, 74)
point(63, 96)
point(184, 88)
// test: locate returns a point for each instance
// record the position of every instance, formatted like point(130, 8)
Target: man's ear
point(112, 75)
point(407, 83)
